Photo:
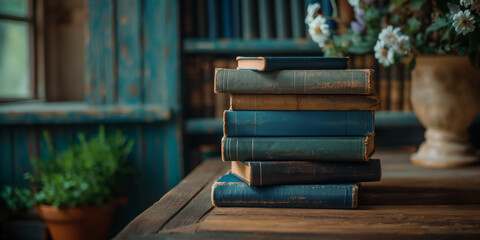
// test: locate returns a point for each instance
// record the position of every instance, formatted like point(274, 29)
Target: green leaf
point(413, 24)
point(415, 5)
point(440, 23)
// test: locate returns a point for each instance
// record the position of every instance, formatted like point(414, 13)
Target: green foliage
point(86, 174)
point(17, 199)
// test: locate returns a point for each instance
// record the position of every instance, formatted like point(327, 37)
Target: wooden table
point(409, 202)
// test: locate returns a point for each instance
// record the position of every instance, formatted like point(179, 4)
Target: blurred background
point(146, 69)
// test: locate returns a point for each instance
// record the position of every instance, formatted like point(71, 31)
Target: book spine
point(301, 172)
point(276, 63)
point(194, 86)
point(282, 19)
point(384, 87)
point(303, 102)
point(249, 19)
point(227, 25)
point(213, 18)
point(327, 10)
point(298, 15)
point(201, 19)
point(407, 81)
point(297, 123)
point(207, 87)
point(188, 7)
point(326, 196)
point(294, 82)
point(265, 17)
point(236, 19)
point(342, 149)
point(346, 15)
point(396, 94)
point(221, 100)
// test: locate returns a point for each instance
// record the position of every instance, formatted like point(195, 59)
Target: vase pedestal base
point(445, 149)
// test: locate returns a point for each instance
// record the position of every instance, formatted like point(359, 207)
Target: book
point(355, 81)
point(194, 81)
point(229, 191)
point(236, 19)
point(327, 10)
point(213, 19)
point(262, 173)
point(297, 123)
point(207, 86)
point(345, 15)
point(249, 19)
point(337, 148)
point(396, 88)
point(265, 17)
point(222, 100)
point(244, 102)
point(298, 16)
point(227, 21)
point(384, 87)
point(188, 23)
point(282, 19)
point(407, 88)
point(201, 17)
point(268, 64)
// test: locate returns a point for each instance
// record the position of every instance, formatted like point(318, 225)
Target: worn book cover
point(230, 191)
point(264, 173)
point(268, 64)
point(354, 81)
point(243, 102)
point(297, 123)
point(334, 148)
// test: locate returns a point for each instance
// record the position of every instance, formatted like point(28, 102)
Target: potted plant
point(76, 190)
point(441, 40)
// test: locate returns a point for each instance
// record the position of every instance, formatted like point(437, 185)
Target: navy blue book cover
point(230, 191)
point(296, 63)
point(297, 123)
point(227, 25)
point(213, 18)
point(236, 19)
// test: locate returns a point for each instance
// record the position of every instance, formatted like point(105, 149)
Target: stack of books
point(299, 133)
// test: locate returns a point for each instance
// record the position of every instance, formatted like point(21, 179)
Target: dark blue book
point(269, 64)
point(265, 17)
point(236, 19)
point(297, 123)
point(213, 18)
point(227, 24)
point(264, 173)
point(200, 18)
point(298, 18)
point(249, 19)
point(335, 148)
point(230, 191)
point(282, 19)
point(327, 10)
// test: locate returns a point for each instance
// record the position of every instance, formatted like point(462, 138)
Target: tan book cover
point(303, 102)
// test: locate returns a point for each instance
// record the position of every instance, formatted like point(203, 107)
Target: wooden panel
point(22, 144)
point(6, 174)
point(100, 55)
point(151, 220)
point(171, 92)
point(154, 48)
point(129, 59)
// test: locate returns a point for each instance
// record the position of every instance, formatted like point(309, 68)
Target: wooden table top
point(409, 202)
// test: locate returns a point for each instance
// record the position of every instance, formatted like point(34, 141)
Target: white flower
point(466, 3)
point(463, 22)
point(312, 11)
point(354, 3)
point(319, 30)
point(402, 46)
point(389, 35)
point(383, 53)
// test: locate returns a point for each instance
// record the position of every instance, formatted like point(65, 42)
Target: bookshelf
point(239, 47)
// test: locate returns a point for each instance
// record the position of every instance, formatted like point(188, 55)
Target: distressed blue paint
point(62, 137)
point(129, 59)
point(154, 162)
point(249, 47)
point(99, 66)
point(61, 113)
point(172, 56)
point(154, 66)
point(21, 158)
point(6, 174)
point(173, 154)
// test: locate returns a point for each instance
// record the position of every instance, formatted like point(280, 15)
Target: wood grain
point(155, 217)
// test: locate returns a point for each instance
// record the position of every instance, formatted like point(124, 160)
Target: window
point(17, 49)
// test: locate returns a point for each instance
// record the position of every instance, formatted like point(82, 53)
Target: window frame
point(34, 19)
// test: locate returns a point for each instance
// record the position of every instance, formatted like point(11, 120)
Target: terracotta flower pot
point(445, 98)
point(79, 222)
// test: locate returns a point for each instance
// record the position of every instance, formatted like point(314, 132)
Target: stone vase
point(446, 99)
